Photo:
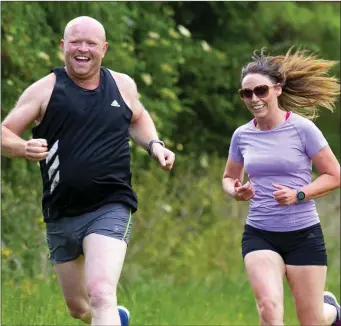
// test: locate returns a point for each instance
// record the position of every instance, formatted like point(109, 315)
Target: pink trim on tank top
point(286, 118)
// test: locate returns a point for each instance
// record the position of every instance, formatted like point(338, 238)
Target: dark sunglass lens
point(246, 93)
point(261, 91)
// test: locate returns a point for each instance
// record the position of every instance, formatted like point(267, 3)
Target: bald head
point(84, 47)
point(85, 22)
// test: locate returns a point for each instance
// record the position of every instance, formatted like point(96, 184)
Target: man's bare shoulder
point(39, 94)
point(45, 83)
point(124, 82)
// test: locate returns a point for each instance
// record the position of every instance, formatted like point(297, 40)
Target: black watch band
point(150, 145)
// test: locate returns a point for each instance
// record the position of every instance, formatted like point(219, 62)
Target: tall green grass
point(215, 301)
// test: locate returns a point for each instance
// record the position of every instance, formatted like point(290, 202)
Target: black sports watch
point(150, 144)
point(300, 195)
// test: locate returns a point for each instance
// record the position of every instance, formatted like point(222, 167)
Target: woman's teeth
point(258, 107)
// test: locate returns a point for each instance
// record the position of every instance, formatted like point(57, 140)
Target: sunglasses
point(260, 91)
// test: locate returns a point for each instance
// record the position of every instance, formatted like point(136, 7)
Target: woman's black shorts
point(300, 247)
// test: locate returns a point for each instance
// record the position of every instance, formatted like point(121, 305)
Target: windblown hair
point(306, 84)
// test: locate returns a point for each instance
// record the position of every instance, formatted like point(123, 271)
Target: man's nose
point(83, 47)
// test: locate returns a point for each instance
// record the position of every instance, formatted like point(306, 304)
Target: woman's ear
point(278, 89)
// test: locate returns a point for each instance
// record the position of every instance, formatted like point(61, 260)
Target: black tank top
point(87, 132)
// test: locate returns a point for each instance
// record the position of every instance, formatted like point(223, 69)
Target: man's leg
point(71, 276)
point(69, 265)
point(65, 239)
point(104, 257)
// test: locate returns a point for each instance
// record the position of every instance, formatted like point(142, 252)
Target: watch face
point(300, 195)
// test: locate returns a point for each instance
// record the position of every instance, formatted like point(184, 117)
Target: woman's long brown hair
point(305, 80)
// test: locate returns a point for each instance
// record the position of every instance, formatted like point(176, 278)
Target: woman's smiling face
point(267, 101)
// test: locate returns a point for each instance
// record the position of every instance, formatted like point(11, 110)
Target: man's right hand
point(36, 149)
point(243, 192)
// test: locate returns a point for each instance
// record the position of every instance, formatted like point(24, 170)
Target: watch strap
point(150, 145)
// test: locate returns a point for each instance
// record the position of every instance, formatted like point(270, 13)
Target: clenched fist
point(243, 192)
point(36, 149)
point(164, 156)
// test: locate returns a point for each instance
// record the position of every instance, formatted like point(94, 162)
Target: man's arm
point(142, 128)
point(29, 108)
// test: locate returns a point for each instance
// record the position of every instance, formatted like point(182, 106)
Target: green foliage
point(24, 249)
point(186, 60)
point(187, 71)
point(236, 30)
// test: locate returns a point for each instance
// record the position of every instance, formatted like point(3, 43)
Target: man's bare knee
point(80, 314)
point(79, 309)
point(270, 311)
point(102, 295)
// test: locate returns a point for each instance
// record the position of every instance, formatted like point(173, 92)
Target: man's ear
point(105, 48)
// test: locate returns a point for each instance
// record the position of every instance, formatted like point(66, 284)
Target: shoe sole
point(333, 296)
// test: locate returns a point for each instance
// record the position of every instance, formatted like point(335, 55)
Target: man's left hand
point(164, 156)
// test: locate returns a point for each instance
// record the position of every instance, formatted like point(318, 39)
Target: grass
point(218, 301)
